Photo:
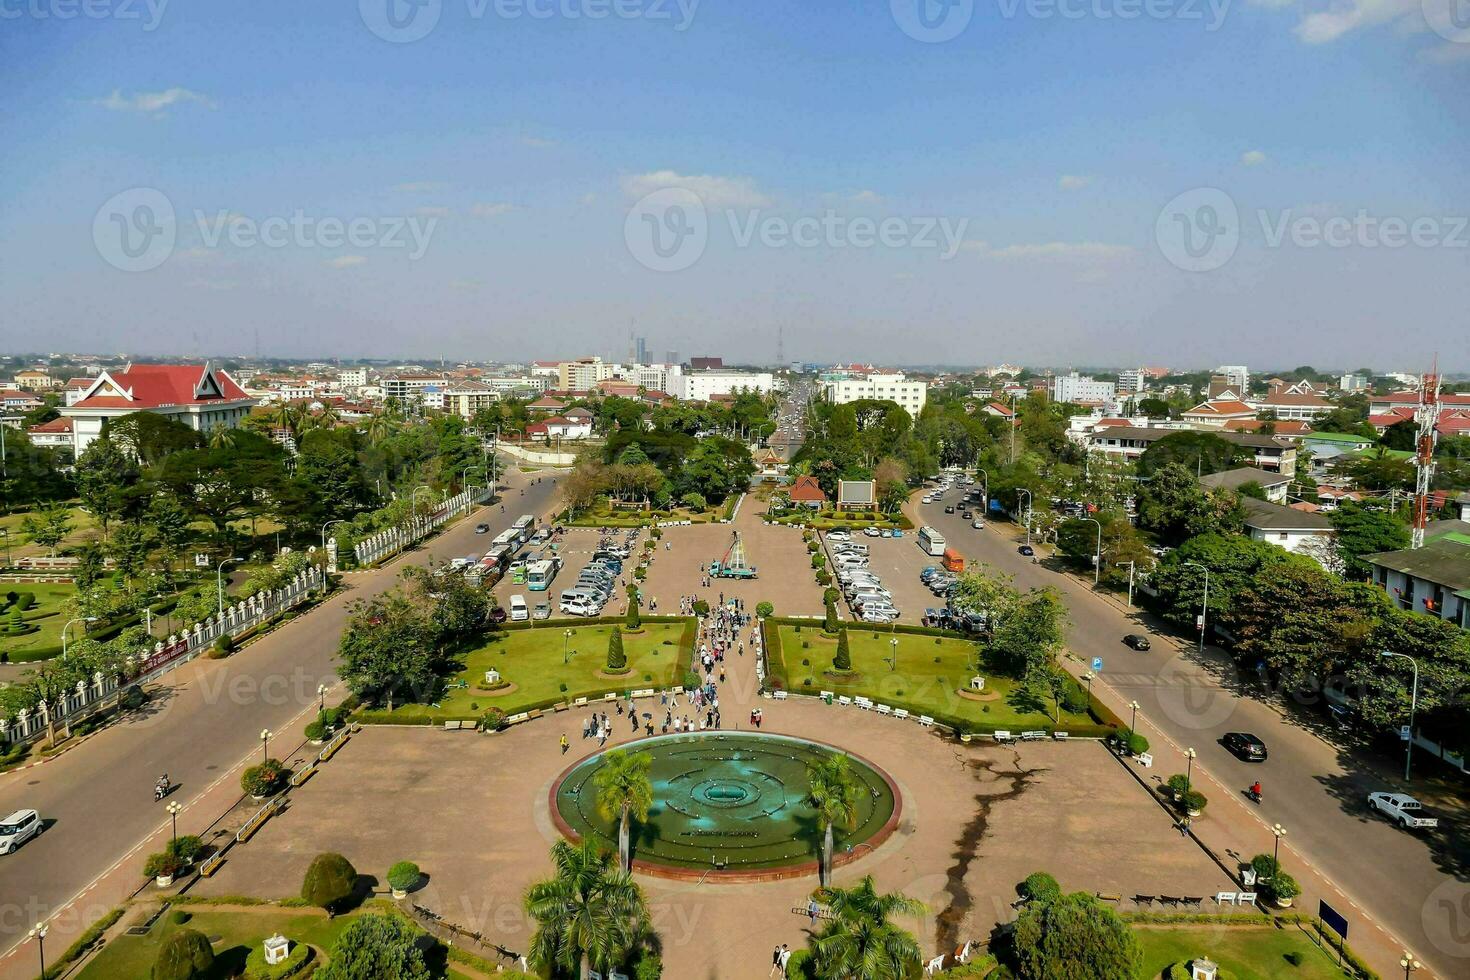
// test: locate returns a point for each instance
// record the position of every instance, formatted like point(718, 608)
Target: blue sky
point(1048, 145)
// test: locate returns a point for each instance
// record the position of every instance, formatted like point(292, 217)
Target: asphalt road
point(1315, 782)
point(97, 799)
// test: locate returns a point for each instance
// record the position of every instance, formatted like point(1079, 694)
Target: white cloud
point(1073, 182)
point(589, 198)
point(490, 210)
point(714, 191)
point(1059, 251)
point(1324, 26)
point(150, 102)
point(346, 261)
point(1253, 158)
point(431, 212)
point(866, 197)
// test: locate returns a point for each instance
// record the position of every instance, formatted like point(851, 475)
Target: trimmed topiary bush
point(316, 731)
point(1039, 887)
point(264, 779)
point(403, 876)
point(616, 658)
point(256, 968)
point(843, 658)
point(163, 865)
point(186, 847)
point(329, 882)
point(764, 609)
point(184, 955)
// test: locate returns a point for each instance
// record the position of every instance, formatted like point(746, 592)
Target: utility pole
point(1427, 418)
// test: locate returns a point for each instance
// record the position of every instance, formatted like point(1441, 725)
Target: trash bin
point(827, 698)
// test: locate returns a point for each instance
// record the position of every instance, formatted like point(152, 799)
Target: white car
point(872, 532)
point(579, 607)
point(839, 535)
point(18, 828)
point(978, 525)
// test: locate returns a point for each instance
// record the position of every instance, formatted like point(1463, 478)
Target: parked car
point(1026, 550)
point(1137, 641)
point(18, 828)
point(839, 535)
point(871, 532)
point(1245, 746)
point(542, 611)
point(519, 612)
point(482, 528)
point(1402, 809)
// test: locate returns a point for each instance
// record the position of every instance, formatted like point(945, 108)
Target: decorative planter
point(399, 894)
point(1194, 813)
point(1281, 903)
point(163, 881)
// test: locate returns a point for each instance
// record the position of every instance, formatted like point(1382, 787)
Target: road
point(1314, 784)
point(203, 719)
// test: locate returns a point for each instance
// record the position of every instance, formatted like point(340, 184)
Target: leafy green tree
point(829, 621)
point(129, 548)
point(104, 474)
point(184, 955)
point(330, 881)
point(1403, 436)
point(833, 792)
point(1300, 621)
point(1378, 471)
point(48, 528)
point(1365, 530)
point(1025, 643)
point(616, 658)
point(694, 501)
point(1175, 507)
point(376, 947)
point(633, 620)
point(1234, 563)
point(1074, 937)
point(1198, 453)
point(624, 792)
point(589, 914)
point(89, 564)
point(386, 650)
point(860, 939)
point(1154, 408)
point(169, 524)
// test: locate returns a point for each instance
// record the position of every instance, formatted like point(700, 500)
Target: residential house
point(1296, 531)
point(1274, 485)
point(74, 389)
point(1434, 579)
point(198, 395)
point(36, 380)
point(56, 434)
point(1275, 454)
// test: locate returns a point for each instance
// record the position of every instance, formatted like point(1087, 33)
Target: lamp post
point(1130, 565)
point(1204, 609)
point(1087, 676)
point(1188, 769)
point(1278, 832)
point(1133, 727)
point(265, 745)
point(1409, 964)
point(38, 933)
point(76, 619)
point(1413, 705)
point(566, 639)
point(173, 808)
point(219, 582)
point(1028, 511)
point(1097, 555)
point(893, 664)
point(321, 696)
point(984, 487)
point(413, 499)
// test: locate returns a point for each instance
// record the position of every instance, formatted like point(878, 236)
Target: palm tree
point(834, 793)
point(860, 942)
point(624, 791)
point(222, 437)
point(588, 914)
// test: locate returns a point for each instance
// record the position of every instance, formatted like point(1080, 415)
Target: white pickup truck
point(1402, 809)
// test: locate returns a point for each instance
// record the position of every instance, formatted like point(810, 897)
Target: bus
point(524, 525)
point(540, 573)
point(931, 541)
point(505, 539)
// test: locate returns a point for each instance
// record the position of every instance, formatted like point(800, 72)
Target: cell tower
point(780, 345)
point(1426, 416)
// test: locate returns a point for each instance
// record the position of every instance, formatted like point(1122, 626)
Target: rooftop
point(1443, 561)
point(1262, 515)
point(1240, 476)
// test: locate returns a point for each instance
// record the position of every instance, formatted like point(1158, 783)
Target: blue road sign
point(1096, 664)
point(1332, 919)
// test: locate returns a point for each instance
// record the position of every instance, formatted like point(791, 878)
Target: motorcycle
point(1253, 795)
point(160, 790)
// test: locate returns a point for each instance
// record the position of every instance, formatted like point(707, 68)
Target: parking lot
point(898, 562)
point(574, 546)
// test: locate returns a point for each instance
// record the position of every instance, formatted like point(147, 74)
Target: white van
point(519, 611)
point(18, 828)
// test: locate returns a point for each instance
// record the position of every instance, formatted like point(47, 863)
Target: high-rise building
point(671, 357)
point(1238, 376)
point(640, 350)
point(876, 386)
point(1132, 380)
point(1076, 387)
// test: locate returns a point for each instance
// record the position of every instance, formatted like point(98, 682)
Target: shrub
point(829, 621)
point(819, 561)
point(1039, 887)
point(1194, 801)
point(1283, 885)
point(178, 917)
point(184, 955)
point(264, 779)
point(811, 547)
point(824, 578)
point(764, 609)
point(640, 573)
point(691, 681)
point(1134, 743)
point(650, 966)
point(694, 501)
point(1074, 701)
point(377, 946)
point(256, 968)
point(1294, 957)
point(494, 720)
point(1074, 936)
point(316, 731)
point(329, 882)
point(25, 600)
point(1265, 867)
point(403, 876)
point(616, 658)
point(186, 848)
point(701, 607)
point(163, 865)
point(843, 658)
point(634, 620)
point(224, 646)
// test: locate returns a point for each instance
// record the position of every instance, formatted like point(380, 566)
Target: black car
point(968, 515)
point(1137, 641)
point(1245, 746)
point(949, 509)
point(482, 528)
point(1026, 550)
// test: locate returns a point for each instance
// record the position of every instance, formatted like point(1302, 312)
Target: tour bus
point(523, 527)
point(540, 573)
point(931, 541)
point(505, 539)
point(497, 557)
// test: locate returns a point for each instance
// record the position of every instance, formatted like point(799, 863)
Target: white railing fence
point(386, 543)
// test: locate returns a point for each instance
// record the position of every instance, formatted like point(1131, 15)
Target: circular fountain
point(728, 805)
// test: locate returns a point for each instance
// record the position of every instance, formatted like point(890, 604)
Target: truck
point(953, 560)
point(1402, 809)
point(733, 564)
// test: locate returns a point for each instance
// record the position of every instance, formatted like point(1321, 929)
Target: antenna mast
point(1427, 418)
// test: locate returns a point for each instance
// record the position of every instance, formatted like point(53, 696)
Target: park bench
point(1143, 899)
point(1195, 900)
point(1146, 760)
point(516, 719)
point(609, 697)
point(647, 692)
point(211, 864)
point(827, 695)
point(1003, 737)
point(1059, 736)
point(884, 709)
point(303, 774)
point(900, 713)
point(1226, 898)
point(844, 700)
point(864, 703)
point(580, 702)
point(779, 695)
point(1105, 897)
point(1247, 898)
point(926, 721)
point(1169, 900)
point(1032, 736)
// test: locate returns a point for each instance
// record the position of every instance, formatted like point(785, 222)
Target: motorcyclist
point(1255, 791)
point(160, 789)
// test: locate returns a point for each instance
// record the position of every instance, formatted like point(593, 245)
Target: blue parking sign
point(1096, 665)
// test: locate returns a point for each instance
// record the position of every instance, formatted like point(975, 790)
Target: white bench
point(900, 712)
point(1247, 898)
point(779, 695)
point(609, 697)
point(845, 701)
point(1146, 760)
point(934, 965)
point(827, 695)
point(1004, 737)
point(884, 709)
point(1032, 736)
point(678, 690)
point(518, 718)
point(863, 703)
point(647, 692)
point(580, 702)
point(1226, 898)
point(1059, 736)
point(926, 721)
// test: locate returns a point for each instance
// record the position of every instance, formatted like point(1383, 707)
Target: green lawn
point(929, 673)
point(239, 930)
point(1244, 952)
point(47, 615)
point(533, 660)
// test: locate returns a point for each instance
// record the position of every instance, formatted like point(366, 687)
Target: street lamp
point(1409, 964)
point(1134, 726)
point(321, 694)
point(893, 664)
point(1413, 704)
point(1279, 832)
point(219, 583)
point(1130, 565)
point(566, 639)
point(78, 619)
point(1020, 490)
point(1204, 609)
point(1087, 676)
point(1097, 555)
point(38, 933)
point(1188, 769)
point(265, 745)
point(335, 520)
point(173, 809)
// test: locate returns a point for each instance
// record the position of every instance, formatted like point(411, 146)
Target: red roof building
point(807, 492)
point(197, 395)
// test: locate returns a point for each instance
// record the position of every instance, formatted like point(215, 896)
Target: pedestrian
point(785, 957)
point(811, 910)
point(564, 745)
point(775, 961)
